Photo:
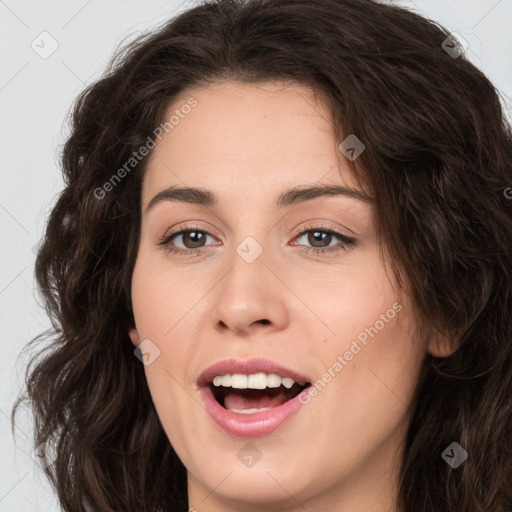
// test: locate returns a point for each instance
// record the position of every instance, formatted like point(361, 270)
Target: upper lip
point(248, 367)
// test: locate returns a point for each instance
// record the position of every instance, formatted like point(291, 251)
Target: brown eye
point(191, 239)
point(320, 240)
point(186, 242)
point(319, 237)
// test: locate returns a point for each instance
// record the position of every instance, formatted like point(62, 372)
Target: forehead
point(243, 138)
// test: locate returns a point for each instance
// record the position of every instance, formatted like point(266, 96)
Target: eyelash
point(346, 241)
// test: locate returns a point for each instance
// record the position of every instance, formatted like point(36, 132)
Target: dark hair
point(438, 158)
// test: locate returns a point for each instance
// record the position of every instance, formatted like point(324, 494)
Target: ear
point(134, 336)
point(443, 345)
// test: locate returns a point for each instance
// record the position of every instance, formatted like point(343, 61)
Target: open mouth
point(247, 400)
point(251, 398)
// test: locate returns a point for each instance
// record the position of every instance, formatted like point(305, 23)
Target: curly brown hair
point(437, 161)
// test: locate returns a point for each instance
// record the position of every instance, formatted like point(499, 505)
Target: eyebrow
point(299, 194)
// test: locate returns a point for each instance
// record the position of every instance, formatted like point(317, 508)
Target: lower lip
point(258, 424)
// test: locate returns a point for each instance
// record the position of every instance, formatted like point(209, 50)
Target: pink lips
point(248, 425)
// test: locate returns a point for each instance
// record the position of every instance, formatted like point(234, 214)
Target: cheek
point(348, 298)
point(161, 305)
point(161, 295)
point(364, 399)
point(162, 311)
point(371, 357)
point(378, 354)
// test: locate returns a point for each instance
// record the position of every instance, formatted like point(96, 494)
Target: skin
point(247, 144)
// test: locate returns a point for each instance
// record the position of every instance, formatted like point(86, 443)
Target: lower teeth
point(249, 411)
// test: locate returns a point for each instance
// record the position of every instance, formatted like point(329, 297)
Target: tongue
point(240, 400)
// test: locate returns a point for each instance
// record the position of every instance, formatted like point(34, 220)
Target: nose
point(250, 298)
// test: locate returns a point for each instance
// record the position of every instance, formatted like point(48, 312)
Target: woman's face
point(247, 291)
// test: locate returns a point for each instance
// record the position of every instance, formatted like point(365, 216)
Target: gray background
point(35, 96)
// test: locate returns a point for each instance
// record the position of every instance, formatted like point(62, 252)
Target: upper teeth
point(253, 381)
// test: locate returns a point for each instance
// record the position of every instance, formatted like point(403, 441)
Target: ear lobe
point(442, 345)
point(134, 336)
